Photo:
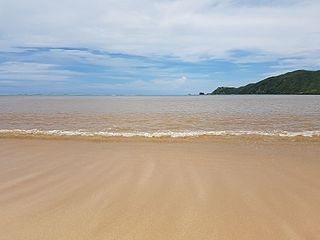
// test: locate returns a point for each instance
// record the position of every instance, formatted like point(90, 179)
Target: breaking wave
point(156, 134)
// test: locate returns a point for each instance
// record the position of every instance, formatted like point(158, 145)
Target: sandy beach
point(198, 189)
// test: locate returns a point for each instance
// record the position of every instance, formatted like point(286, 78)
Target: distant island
point(297, 82)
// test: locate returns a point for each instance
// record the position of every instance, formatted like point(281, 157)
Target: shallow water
point(156, 116)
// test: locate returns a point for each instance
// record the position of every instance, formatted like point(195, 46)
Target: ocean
point(183, 167)
point(161, 116)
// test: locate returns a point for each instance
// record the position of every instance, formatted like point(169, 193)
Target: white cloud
point(144, 85)
point(187, 29)
point(169, 84)
point(32, 71)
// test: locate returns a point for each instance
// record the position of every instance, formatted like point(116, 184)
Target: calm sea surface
point(177, 116)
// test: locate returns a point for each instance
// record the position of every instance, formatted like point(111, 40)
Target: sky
point(152, 47)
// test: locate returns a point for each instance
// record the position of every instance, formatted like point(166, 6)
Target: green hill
point(297, 82)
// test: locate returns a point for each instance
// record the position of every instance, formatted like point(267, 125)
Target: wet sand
point(199, 189)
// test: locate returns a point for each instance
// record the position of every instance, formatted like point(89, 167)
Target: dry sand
point(67, 189)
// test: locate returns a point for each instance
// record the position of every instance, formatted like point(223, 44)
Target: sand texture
point(65, 189)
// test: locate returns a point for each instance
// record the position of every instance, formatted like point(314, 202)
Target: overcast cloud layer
point(169, 40)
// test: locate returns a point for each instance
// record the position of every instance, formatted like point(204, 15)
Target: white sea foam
point(156, 134)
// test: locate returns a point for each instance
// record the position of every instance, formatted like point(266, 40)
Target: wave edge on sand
point(155, 134)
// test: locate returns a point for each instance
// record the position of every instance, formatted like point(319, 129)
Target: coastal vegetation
point(296, 82)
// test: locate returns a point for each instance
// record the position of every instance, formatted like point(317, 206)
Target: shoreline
point(169, 136)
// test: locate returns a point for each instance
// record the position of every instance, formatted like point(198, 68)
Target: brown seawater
point(161, 116)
